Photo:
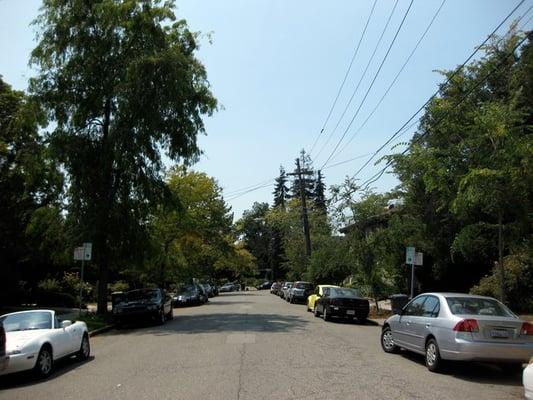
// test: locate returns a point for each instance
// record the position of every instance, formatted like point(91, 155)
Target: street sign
point(78, 253)
point(409, 255)
point(87, 251)
point(419, 258)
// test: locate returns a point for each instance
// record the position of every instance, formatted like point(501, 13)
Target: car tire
point(512, 369)
point(85, 348)
point(325, 314)
point(161, 318)
point(44, 363)
point(315, 311)
point(433, 360)
point(387, 342)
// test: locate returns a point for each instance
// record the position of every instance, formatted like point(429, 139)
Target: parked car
point(188, 295)
point(142, 304)
point(318, 292)
point(3, 359)
point(456, 326)
point(275, 288)
point(528, 380)
point(215, 288)
point(264, 286)
point(300, 291)
point(208, 289)
point(228, 287)
point(36, 339)
point(285, 289)
point(342, 302)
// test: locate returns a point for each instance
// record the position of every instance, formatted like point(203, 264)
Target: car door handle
point(428, 325)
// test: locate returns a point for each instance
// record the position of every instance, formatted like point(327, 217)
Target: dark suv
point(142, 304)
point(300, 291)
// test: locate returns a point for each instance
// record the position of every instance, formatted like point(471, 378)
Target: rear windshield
point(345, 292)
point(135, 295)
point(303, 285)
point(190, 290)
point(477, 306)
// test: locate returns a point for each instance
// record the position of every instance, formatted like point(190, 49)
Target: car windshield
point(477, 306)
point(27, 321)
point(136, 295)
point(186, 291)
point(344, 292)
point(303, 285)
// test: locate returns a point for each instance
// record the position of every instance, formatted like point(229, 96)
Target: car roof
point(454, 294)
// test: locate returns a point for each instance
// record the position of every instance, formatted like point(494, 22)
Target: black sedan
point(142, 304)
point(343, 303)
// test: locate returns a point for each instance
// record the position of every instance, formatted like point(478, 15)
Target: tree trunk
point(500, 257)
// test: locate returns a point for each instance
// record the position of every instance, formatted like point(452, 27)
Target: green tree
point(281, 191)
point(120, 82)
point(319, 193)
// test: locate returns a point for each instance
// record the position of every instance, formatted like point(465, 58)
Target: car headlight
point(13, 352)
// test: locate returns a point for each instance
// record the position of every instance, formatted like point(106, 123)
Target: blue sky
point(276, 66)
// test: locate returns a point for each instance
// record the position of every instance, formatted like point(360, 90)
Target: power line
point(360, 80)
point(395, 78)
point(371, 84)
point(345, 76)
point(438, 91)
point(380, 173)
point(230, 193)
point(233, 197)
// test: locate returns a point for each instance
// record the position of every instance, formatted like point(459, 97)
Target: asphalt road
point(254, 345)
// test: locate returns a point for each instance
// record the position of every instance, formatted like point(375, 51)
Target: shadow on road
point(27, 378)
point(477, 372)
point(224, 322)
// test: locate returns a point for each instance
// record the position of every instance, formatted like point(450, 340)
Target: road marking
point(240, 338)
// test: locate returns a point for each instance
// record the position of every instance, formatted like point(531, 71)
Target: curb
point(101, 330)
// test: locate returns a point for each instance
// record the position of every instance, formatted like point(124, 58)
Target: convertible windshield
point(150, 295)
point(477, 306)
point(186, 291)
point(27, 321)
point(345, 292)
point(303, 285)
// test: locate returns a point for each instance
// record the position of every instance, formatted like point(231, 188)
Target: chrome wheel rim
point(431, 354)
point(388, 341)
point(85, 347)
point(45, 362)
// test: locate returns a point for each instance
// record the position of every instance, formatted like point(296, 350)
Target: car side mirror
point(66, 323)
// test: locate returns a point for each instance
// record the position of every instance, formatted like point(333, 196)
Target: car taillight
point(527, 329)
point(466, 325)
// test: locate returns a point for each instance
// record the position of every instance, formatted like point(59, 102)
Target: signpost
point(413, 258)
point(83, 253)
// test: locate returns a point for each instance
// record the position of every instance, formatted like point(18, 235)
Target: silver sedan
point(462, 327)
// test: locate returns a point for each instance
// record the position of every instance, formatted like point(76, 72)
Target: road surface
point(253, 345)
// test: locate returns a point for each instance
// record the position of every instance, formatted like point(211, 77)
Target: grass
point(93, 320)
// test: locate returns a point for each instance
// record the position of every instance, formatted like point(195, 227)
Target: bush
point(518, 283)
point(119, 286)
point(50, 285)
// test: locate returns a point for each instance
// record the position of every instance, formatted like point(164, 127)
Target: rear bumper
point(464, 350)
point(135, 316)
point(17, 363)
point(347, 312)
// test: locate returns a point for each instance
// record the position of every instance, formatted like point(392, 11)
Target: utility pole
point(305, 218)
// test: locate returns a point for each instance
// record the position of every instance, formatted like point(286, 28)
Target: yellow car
point(319, 292)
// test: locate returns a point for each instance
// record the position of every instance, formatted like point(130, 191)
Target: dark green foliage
point(281, 191)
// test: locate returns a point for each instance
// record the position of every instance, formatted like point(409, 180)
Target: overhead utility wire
point(371, 84)
point(330, 135)
point(378, 175)
point(438, 91)
point(394, 80)
point(345, 76)
point(232, 192)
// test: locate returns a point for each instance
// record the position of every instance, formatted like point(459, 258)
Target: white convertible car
point(36, 339)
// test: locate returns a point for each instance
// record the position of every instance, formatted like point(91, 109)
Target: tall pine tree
point(306, 167)
point(319, 196)
point(281, 191)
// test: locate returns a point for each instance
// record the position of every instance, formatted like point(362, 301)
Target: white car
point(36, 339)
point(528, 380)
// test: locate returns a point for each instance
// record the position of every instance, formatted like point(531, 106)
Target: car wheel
point(45, 362)
point(512, 369)
point(315, 311)
point(161, 317)
point(325, 314)
point(387, 341)
point(85, 349)
point(433, 360)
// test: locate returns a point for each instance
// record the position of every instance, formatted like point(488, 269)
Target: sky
point(276, 67)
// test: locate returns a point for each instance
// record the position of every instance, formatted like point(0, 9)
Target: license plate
point(350, 312)
point(499, 333)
